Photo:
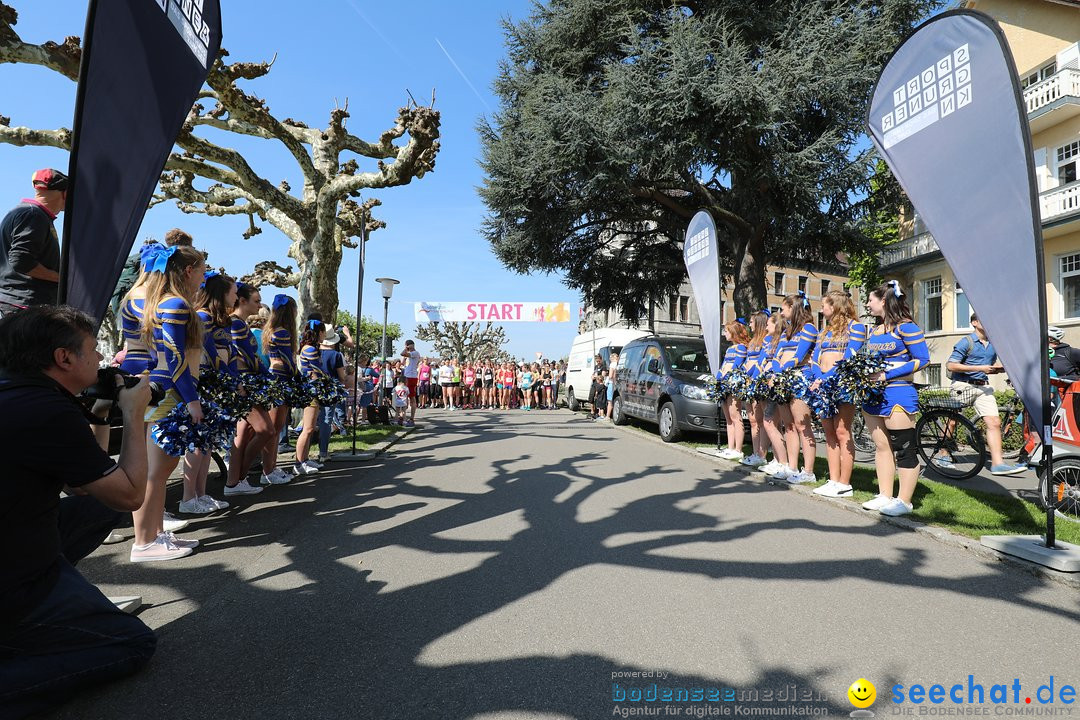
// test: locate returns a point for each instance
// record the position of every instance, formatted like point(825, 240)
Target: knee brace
point(903, 444)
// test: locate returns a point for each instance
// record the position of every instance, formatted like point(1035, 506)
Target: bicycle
point(949, 443)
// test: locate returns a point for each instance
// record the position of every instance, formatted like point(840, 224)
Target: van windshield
point(687, 356)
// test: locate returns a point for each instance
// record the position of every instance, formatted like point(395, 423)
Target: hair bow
point(280, 301)
point(314, 324)
point(148, 253)
point(805, 302)
point(209, 274)
point(240, 285)
point(767, 311)
point(161, 259)
point(895, 288)
point(741, 320)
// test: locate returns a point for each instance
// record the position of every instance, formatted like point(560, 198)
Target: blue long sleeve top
point(734, 357)
point(311, 361)
point(131, 317)
point(281, 350)
point(904, 348)
point(245, 348)
point(170, 340)
point(803, 344)
point(849, 346)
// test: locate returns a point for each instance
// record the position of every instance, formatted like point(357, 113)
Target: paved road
point(508, 565)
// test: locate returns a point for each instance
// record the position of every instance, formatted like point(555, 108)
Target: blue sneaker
point(1006, 469)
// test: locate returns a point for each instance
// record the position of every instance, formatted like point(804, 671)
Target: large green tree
point(620, 119)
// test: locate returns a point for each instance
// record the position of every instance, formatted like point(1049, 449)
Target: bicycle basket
point(949, 399)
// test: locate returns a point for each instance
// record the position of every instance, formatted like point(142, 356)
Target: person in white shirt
point(412, 373)
point(446, 376)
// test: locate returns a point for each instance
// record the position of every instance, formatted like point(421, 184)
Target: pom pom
point(226, 392)
point(261, 390)
point(177, 434)
point(295, 391)
point(328, 391)
point(851, 374)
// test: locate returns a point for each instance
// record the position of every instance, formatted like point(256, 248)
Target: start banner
point(493, 311)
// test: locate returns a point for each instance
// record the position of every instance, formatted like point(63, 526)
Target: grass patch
point(967, 512)
point(366, 437)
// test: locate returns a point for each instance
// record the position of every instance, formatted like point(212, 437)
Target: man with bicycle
point(972, 361)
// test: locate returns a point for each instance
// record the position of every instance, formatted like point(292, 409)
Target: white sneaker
point(113, 538)
point(242, 488)
point(730, 454)
point(896, 508)
point(877, 502)
point(195, 506)
point(275, 477)
point(770, 467)
point(305, 468)
point(754, 461)
point(318, 464)
point(834, 489)
point(782, 473)
point(749, 460)
point(161, 549)
point(801, 478)
point(171, 523)
point(216, 504)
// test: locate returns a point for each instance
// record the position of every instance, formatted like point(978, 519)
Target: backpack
point(970, 347)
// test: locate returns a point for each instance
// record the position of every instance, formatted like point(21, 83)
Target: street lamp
point(387, 290)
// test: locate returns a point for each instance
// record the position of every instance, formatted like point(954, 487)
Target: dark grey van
point(663, 380)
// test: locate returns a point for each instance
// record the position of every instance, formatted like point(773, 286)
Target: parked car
point(579, 367)
point(663, 380)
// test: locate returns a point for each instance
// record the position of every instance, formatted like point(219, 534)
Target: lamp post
point(356, 340)
point(387, 290)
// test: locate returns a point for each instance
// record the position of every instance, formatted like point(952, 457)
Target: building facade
point(678, 315)
point(1044, 37)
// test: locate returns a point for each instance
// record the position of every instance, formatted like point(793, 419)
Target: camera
point(106, 388)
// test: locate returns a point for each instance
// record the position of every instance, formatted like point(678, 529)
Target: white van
point(579, 368)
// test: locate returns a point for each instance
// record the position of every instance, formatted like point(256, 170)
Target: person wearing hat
point(29, 246)
point(1064, 358)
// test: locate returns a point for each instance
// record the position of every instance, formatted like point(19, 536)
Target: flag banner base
point(714, 452)
point(1063, 556)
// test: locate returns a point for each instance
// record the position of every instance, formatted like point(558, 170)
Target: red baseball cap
point(50, 179)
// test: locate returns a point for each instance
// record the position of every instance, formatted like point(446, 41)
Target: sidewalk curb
point(933, 532)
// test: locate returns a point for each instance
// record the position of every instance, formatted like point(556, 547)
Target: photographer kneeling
point(58, 633)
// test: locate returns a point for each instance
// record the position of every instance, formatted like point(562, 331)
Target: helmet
point(1056, 333)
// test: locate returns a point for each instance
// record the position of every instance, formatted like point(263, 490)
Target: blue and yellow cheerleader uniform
point(139, 358)
point(311, 366)
point(905, 353)
point(801, 346)
point(734, 357)
point(847, 347)
point(173, 371)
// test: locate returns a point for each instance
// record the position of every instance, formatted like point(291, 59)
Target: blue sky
point(332, 50)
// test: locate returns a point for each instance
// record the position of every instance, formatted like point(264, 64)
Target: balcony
point(1058, 204)
point(909, 249)
point(1054, 100)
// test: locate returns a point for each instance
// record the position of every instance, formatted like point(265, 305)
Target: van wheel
point(669, 423)
point(617, 415)
point(571, 400)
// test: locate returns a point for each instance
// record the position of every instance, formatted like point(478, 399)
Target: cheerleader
point(279, 343)
point(173, 330)
point(254, 432)
point(310, 367)
point(138, 357)
point(214, 300)
point(796, 344)
point(770, 416)
point(755, 350)
point(841, 338)
point(890, 420)
point(735, 332)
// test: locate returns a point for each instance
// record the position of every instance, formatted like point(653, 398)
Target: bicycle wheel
point(1066, 490)
point(950, 445)
point(860, 435)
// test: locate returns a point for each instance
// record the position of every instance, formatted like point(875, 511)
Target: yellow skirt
point(155, 413)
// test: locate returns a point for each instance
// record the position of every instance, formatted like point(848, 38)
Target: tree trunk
point(318, 263)
point(749, 294)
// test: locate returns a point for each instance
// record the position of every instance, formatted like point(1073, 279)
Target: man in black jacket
point(29, 247)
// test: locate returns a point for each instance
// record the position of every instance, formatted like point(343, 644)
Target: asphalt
point(511, 565)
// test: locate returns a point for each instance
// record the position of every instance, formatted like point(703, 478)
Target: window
point(824, 288)
point(932, 304)
point(933, 375)
point(802, 283)
point(778, 283)
point(820, 320)
point(1039, 75)
point(1069, 270)
point(673, 304)
point(775, 310)
point(963, 310)
point(1066, 162)
point(684, 309)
